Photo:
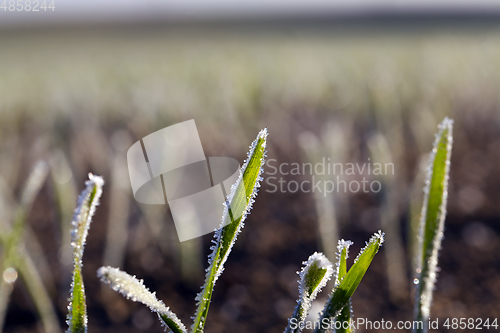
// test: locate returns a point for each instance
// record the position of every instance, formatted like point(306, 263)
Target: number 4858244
point(470, 323)
point(27, 6)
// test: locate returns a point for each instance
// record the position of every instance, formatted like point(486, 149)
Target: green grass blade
point(313, 277)
point(38, 292)
point(11, 241)
point(30, 191)
point(432, 220)
point(87, 203)
point(134, 289)
point(236, 209)
point(343, 254)
point(77, 316)
point(343, 320)
point(344, 290)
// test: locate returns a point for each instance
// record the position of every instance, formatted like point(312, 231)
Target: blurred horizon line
point(381, 18)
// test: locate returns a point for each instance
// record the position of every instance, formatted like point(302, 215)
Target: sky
point(91, 11)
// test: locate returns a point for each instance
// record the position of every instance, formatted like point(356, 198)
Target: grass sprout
point(432, 221)
point(345, 316)
point(87, 203)
point(347, 286)
point(134, 289)
point(314, 275)
point(225, 237)
point(236, 209)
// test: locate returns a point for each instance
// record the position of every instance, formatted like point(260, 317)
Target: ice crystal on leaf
point(432, 220)
point(82, 217)
point(344, 318)
point(316, 272)
point(135, 290)
point(347, 285)
point(225, 237)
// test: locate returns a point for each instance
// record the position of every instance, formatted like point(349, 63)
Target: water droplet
point(415, 281)
point(10, 275)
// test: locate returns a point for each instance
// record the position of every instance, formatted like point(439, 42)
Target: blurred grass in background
point(79, 98)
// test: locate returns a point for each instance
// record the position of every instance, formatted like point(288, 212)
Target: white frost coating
point(82, 217)
point(322, 262)
point(305, 299)
point(218, 232)
point(431, 276)
point(376, 237)
point(135, 290)
point(341, 245)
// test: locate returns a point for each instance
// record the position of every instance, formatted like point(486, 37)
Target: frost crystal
point(341, 246)
point(316, 272)
point(82, 217)
point(135, 290)
point(234, 188)
point(426, 278)
point(376, 237)
point(220, 254)
point(317, 261)
point(346, 314)
point(340, 296)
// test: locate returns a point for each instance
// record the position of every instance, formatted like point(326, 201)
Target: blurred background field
point(78, 98)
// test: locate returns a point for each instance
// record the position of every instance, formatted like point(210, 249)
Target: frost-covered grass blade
point(314, 275)
point(345, 316)
point(432, 220)
point(225, 237)
point(134, 289)
point(87, 203)
point(344, 290)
